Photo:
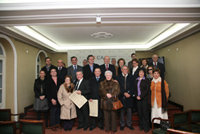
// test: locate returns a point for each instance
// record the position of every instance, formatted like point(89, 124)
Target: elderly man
point(61, 71)
point(82, 87)
point(107, 66)
point(126, 96)
point(158, 65)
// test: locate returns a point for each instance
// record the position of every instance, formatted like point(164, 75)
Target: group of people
point(140, 88)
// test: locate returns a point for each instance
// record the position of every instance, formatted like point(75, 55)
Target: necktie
point(155, 65)
point(91, 68)
point(75, 69)
point(106, 67)
point(125, 82)
point(76, 87)
point(97, 79)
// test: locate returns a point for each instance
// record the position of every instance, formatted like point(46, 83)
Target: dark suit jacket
point(48, 72)
point(52, 89)
point(84, 88)
point(72, 73)
point(61, 74)
point(136, 74)
point(87, 74)
point(144, 88)
point(94, 88)
point(127, 102)
point(161, 67)
point(119, 71)
point(37, 87)
point(130, 65)
point(111, 68)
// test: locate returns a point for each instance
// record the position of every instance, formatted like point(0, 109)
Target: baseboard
point(176, 104)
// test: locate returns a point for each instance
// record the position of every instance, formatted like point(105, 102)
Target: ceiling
point(112, 24)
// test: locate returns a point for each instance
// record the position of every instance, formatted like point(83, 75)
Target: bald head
point(107, 60)
point(59, 63)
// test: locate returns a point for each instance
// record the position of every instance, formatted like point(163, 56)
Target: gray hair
point(124, 66)
point(108, 72)
point(79, 72)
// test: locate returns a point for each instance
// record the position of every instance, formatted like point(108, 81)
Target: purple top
point(138, 85)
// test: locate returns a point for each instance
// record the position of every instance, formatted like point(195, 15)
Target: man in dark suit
point(126, 96)
point(135, 74)
point(61, 71)
point(130, 65)
point(71, 70)
point(107, 66)
point(94, 95)
point(82, 87)
point(158, 65)
point(48, 66)
point(88, 70)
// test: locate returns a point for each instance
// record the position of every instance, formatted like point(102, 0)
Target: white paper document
point(77, 99)
point(93, 107)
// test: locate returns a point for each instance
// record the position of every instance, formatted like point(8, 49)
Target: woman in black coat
point(142, 94)
point(41, 103)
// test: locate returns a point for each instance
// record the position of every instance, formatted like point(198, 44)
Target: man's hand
point(138, 98)
point(42, 97)
point(127, 95)
point(78, 92)
point(108, 95)
point(116, 81)
point(53, 101)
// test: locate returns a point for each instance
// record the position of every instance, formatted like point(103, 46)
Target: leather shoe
point(101, 127)
point(91, 128)
point(85, 128)
point(79, 127)
point(131, 127)
point(121, 128)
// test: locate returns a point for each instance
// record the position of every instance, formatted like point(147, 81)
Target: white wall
point(99, 54)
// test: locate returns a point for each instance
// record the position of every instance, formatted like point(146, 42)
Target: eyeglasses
point(150, 69)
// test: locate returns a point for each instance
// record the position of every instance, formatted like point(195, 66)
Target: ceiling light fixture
point(101, 35)
point(98, 19)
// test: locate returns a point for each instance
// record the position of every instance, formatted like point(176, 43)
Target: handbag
point(40, 105)
point(117, 105)
point(164, 125)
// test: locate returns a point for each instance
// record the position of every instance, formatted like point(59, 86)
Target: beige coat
point(68, 109)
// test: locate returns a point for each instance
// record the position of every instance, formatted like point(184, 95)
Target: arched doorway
point(40, 61)
point(10, 67)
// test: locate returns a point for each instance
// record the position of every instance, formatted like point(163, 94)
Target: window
point(38, 66)
point(2, 73)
